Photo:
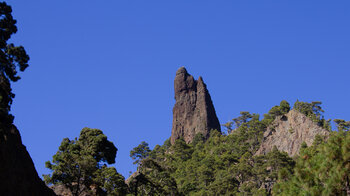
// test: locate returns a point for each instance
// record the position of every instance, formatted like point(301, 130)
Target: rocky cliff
point(193, 111)
point(17, 172)
point(288, 132)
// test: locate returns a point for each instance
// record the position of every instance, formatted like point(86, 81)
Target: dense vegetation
point(224, 164)
point(12, 59)
point(220, 166)
point(80, 165)
point(322, 169)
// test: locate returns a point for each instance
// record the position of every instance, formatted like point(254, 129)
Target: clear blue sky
point(111, 64)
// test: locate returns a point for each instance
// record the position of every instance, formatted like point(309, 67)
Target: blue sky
point(111, 64)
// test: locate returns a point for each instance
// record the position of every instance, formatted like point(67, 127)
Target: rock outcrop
point(61, 190)
point(288, 132)
point(17, 172)
point(193, 111)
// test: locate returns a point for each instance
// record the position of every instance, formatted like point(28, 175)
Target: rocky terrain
point(193, 111)
point(18, 174)
point(288, 132)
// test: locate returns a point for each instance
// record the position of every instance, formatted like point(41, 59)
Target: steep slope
point(18, 174)
point(288, 132)
point(193, 111)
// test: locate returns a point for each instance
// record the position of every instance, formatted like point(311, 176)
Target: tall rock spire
point(193, 111)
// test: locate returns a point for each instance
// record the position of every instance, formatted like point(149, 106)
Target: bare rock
point(17, 172)
point(288, 132)
point(61, 190)
point(132, 177)
point(193, 111)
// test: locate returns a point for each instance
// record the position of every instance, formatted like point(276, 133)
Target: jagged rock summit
point(193, 111)
point(288, 132)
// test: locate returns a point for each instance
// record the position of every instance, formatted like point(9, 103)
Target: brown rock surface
point(193, 111)
point(61, 190)
point(288, 132)
point(17, 172)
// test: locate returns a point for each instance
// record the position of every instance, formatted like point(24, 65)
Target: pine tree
point(80, 164)
point(12, 59)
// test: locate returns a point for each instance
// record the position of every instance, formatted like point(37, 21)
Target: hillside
point(288, 132)
point(282, 153)
point(249, 158)
point(108, 64)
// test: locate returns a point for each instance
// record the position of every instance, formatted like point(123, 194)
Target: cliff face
point(288, 132)
point(17, 172)
point(193, 111)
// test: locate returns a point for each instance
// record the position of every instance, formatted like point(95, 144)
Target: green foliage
point(342, 125)
point(228, 127)
point(225, 165)
point(152, 179)
point(284, 107)
point(314, 111)
point(305, 108)
point(220, 165)
point(110, 181)
point(245, 116)
point(198, 138)
point(140, 152)
point(94, 143)
point(11, 58)
point(275, 111)
point(80, 165)
point(321, 169)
